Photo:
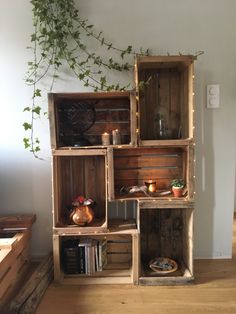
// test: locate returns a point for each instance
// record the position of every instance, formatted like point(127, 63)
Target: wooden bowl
point(163, 265)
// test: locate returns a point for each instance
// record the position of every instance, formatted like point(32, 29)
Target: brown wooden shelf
point(110, 270)
point(97, 226)
point(177, 142)
point(157, 143)
point(122, 226)
point(72, 148)
point(181, 276)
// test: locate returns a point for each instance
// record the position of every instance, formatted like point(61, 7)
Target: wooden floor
point(214, 291)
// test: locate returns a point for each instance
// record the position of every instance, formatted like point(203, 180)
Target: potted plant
point(177, 187)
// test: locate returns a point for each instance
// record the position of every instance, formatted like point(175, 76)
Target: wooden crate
point(135, 166)
point(13, 222)
point(166, 232)
point(121, 267)
point(165, 91)
point(31, 289)
point(14, 260)
point(79, 172)
point(113, 110)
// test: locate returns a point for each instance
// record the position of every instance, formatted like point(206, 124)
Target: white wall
point(164, 26)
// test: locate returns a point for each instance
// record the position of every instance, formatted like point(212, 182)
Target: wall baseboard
point(213, 257)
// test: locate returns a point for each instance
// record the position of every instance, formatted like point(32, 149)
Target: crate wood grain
point(166, 233)
point(121, 260)
point(169, 93)
point(79, 174)
point(30, 294)
point(135, 166)
point(13, 261)
point(114, 110)
point(16, 221)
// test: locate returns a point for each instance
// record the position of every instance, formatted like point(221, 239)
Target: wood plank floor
point(214, 291)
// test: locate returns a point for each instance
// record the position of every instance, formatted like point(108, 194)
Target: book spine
point(82, 268)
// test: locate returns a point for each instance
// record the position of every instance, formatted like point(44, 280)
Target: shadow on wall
point(205, 197)
point(25, 188)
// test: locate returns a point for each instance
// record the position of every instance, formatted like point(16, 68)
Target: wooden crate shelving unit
point(162, 224)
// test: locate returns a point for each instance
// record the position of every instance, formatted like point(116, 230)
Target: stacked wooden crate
point(162, 224)
point(15, 233)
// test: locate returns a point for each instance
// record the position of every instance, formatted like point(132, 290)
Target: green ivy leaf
point(27, 126)
point(37, 110)
point(26, 142)
point(26, 109)
point(33, 37)
point(129, 49)
point(37, 93)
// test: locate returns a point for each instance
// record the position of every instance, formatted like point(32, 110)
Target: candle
point(151, 185)
point(105, 139)
point(116, 140)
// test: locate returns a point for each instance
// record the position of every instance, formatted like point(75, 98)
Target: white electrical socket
point(213, 96)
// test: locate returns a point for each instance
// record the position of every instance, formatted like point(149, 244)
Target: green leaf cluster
point(59, 38)
point(180, 183)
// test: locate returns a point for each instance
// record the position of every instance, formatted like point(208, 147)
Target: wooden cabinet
point(156, 143)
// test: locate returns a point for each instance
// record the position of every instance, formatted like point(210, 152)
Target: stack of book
point(84, 256)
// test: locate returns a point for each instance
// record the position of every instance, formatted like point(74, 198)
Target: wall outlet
point(213, 96)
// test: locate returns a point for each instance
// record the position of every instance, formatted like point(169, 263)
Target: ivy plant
point(59, 39)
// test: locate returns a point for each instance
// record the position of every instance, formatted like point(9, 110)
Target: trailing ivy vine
point(59, 39)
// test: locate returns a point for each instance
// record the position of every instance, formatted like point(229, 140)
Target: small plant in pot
point(177, 187)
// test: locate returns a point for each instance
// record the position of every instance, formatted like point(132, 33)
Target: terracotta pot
point(178, 192)
point(82, 215)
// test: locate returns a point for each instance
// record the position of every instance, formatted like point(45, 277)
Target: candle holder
point(116, 139)
point(151, 185)
point(105, 139)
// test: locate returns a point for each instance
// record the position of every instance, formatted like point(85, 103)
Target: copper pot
point(82, 215)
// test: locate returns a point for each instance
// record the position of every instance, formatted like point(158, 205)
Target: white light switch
point(213, 96)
